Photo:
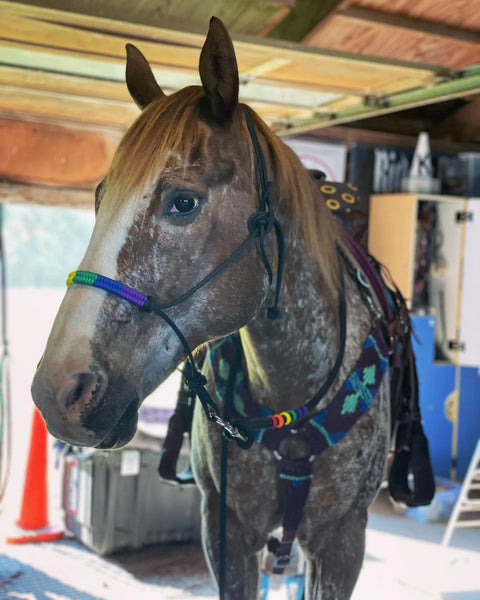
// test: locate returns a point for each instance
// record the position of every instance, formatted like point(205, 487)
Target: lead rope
point(223, 475)
point(222, 535)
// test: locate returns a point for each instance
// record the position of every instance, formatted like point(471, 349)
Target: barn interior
point(352, 86)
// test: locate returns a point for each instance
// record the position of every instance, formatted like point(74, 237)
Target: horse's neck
point(288, 359)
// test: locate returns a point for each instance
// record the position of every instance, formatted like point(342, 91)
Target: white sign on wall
point(323, 156)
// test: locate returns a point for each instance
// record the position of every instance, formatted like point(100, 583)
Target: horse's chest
point(288, 471)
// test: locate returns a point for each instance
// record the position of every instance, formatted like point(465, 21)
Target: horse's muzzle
point(76, 409)
point(123, 430)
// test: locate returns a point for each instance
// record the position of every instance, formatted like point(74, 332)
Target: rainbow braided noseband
point(110, 285)
point(195, 380)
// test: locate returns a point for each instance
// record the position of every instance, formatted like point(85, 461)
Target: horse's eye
point(183, 203)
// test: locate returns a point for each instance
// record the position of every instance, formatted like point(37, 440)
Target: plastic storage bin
point(114, 500)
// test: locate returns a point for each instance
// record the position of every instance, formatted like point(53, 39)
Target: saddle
point(411, 479)
point(411, 453)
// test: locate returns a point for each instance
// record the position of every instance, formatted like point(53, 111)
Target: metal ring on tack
point(362, 279)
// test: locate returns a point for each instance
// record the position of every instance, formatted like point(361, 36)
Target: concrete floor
point(404, 560)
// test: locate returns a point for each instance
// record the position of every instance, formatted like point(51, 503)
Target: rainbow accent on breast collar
point(107, 284)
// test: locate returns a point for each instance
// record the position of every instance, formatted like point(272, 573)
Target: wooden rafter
point(62, 65)
point(423, 26)
point(288, 83)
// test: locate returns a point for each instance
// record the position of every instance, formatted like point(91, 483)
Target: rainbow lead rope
point(109, 285)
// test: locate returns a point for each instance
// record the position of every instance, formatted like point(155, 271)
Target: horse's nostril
point(84, 388)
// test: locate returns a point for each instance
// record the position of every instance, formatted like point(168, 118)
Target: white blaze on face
point(74, 325)
point(112, 225)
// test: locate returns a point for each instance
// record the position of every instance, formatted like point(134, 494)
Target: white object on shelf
point(421, 178)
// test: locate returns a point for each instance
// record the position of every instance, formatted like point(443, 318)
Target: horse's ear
point(219, 73)
point(140, 80)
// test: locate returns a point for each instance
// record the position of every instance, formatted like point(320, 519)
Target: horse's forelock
point(166, 128)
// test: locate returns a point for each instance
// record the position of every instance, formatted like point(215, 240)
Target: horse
point(224, 232)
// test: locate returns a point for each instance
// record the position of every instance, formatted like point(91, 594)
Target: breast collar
point(329, 425)
point(320, 431)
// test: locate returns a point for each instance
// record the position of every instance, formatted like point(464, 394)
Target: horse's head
point(174, 205)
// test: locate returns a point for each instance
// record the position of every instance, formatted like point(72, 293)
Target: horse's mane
point(171, 127)
point(298, 193)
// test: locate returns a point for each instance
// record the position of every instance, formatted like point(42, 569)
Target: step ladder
point(466, 512)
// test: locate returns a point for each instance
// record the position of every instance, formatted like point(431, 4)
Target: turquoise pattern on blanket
point(358, 392)
point(318, 421)
point(362, 384)
point(223, 368)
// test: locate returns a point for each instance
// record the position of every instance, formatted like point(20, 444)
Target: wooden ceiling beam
point(305, 16)
point(52, 56)
point(24, 77)
point(76, 109)
point(240, 16)
point(377, 17)
point(19, 193)
point(359, 134)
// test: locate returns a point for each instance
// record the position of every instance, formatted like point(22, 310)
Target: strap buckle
point(280, 563)
point(366, 293)
point(230, 429)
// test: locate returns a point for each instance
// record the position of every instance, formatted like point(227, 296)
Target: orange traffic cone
point(33, 526)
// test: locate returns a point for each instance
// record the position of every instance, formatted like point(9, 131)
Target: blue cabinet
point(437, 383)
point(468, 417)
point(449, 401)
